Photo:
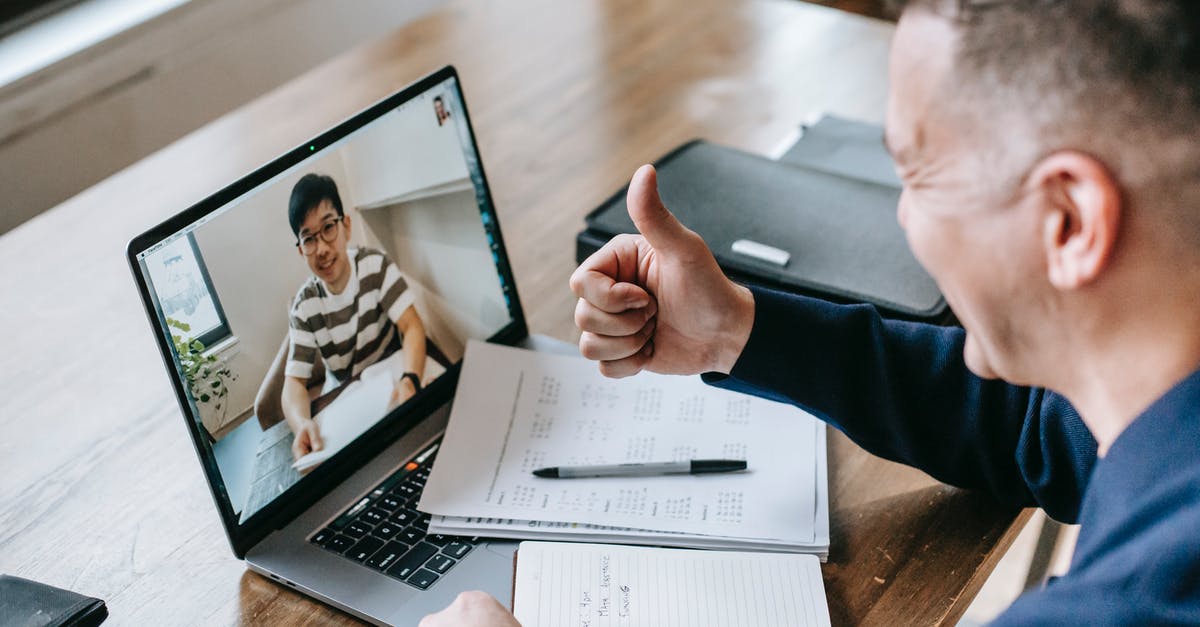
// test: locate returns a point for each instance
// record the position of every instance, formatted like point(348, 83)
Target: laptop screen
point(303, 311)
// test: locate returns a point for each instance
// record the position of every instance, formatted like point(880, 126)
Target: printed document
point(518, 410)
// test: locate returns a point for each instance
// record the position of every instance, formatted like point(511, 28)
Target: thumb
point(652, 219)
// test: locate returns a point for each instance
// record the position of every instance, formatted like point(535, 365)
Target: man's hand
point(402, 390)
point(472, 609)
point(658, 301)
point(307, 440)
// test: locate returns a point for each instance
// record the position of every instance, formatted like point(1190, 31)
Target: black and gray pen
point(686, 467)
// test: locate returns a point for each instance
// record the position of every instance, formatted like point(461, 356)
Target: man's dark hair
point(437, 99)
point(308, 192)
point(1117, 79)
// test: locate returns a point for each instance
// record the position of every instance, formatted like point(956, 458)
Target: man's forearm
point(902, 391)
point(414, 355)
point(413, 330)
point(295, 403)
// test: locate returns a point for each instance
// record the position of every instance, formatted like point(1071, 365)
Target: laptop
point(328, 297)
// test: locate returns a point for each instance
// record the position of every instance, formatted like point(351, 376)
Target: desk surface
point(100, 490)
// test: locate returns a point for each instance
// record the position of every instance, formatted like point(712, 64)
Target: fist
point(657, 300)
point(307, 440)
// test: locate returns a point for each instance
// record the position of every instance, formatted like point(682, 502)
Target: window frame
point(222, 330)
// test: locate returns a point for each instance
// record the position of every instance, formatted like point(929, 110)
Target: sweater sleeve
point(902, 391)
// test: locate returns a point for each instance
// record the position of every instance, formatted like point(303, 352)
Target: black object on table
point(828, 206)
point(29, 603)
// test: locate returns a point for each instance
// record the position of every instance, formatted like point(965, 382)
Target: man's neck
point(1129, 367)
point(338, 288)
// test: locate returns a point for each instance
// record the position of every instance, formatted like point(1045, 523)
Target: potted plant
point(207, 376)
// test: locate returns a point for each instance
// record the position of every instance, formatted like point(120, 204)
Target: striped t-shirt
point(351, 330)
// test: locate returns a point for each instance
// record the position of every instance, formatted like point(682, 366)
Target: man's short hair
point(308, 192)
point(1117, 79)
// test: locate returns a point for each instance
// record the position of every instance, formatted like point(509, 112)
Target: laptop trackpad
point(504, 549)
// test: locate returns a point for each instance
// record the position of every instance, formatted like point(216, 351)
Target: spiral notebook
point(602, 584)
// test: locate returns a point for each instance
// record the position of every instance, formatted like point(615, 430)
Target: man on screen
point(440, 110)
point(354, 310)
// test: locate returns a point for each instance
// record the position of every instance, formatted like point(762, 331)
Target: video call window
point(333, 293)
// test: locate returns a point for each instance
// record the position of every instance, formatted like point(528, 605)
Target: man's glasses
point(308, 242)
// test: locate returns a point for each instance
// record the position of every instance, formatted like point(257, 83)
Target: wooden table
point(100, 490)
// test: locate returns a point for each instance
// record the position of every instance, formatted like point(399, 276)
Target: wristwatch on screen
point(412, 376)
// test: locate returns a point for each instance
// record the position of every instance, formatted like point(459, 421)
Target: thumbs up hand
point(658, 301)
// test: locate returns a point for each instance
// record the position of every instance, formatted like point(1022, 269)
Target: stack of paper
point(516, 411)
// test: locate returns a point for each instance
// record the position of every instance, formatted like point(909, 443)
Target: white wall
point(407, 153)
point(410, 182)
point(439, 241)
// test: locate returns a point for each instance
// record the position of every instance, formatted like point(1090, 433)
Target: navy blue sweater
point(902, 391)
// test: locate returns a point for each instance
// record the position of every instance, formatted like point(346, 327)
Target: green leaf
point(204, 398)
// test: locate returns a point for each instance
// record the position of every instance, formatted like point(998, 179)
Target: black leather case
point(841, 232)
point(25, 603)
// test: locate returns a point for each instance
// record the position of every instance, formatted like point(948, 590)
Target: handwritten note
point(601, 585)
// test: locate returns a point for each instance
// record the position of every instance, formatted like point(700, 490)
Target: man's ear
point(1082, 214)
point(346, 223)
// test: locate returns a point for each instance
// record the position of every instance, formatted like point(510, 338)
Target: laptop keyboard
point(384, 531)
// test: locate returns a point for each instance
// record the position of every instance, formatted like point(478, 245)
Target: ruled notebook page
point(598, 585)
